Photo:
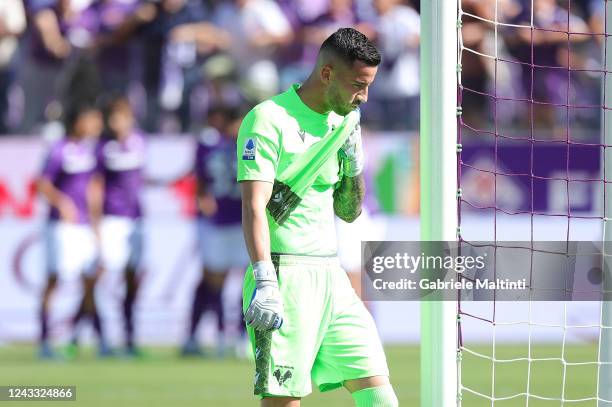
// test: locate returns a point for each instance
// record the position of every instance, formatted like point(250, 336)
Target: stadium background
point(172, 82)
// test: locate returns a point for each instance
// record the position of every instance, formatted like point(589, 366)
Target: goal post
point(438, 212)
point(604, 385)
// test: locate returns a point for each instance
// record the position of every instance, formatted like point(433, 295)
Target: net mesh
point(532, 165)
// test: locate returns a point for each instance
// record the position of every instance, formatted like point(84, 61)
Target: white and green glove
point(266, 309)
point(352, 154)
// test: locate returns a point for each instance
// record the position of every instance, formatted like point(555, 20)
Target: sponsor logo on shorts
point(248, 153)
point(283, 374)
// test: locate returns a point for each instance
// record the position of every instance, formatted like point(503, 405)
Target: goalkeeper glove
point(266, 309)
point(351, 153)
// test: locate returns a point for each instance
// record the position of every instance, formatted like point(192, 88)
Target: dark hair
point(75, 112)
point(350, 45)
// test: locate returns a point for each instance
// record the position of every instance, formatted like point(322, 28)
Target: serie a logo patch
point(248, 153)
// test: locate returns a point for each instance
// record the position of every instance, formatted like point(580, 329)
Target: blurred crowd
point(176, 59)
point(542, 62)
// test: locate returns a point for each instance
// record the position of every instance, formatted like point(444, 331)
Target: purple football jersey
point(69, 167)
point(121, 164)
point(215, 167)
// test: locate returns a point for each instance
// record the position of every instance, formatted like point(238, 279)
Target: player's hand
point(208, 205)
point(266, 309)
point(352, 154)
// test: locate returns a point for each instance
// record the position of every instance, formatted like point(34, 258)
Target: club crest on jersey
point(248, 153)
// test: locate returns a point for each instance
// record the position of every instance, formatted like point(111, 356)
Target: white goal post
point(438, 166)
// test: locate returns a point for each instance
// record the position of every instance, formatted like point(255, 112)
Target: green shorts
point(327, 334)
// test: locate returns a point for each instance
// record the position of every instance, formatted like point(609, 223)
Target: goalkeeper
point(304, 319)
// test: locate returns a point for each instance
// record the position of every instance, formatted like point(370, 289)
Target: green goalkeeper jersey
point(274, 134)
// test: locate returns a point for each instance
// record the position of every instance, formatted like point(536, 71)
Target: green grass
point(163, 379)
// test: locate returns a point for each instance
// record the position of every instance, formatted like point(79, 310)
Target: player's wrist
point(264, 272)
point(353, 157)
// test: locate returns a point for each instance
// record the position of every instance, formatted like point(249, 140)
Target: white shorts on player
point(71, 249)
point(222, 247)
point(121, 241)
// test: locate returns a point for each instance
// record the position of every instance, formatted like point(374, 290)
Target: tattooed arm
point(348, 198)
point(349, 195)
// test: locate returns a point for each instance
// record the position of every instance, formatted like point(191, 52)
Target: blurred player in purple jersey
point(116, 210)
point(219, 219)
point(70, 241)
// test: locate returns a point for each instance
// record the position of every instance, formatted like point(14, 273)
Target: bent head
point(347, 65)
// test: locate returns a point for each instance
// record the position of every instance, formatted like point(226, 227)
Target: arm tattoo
point(348, 198)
